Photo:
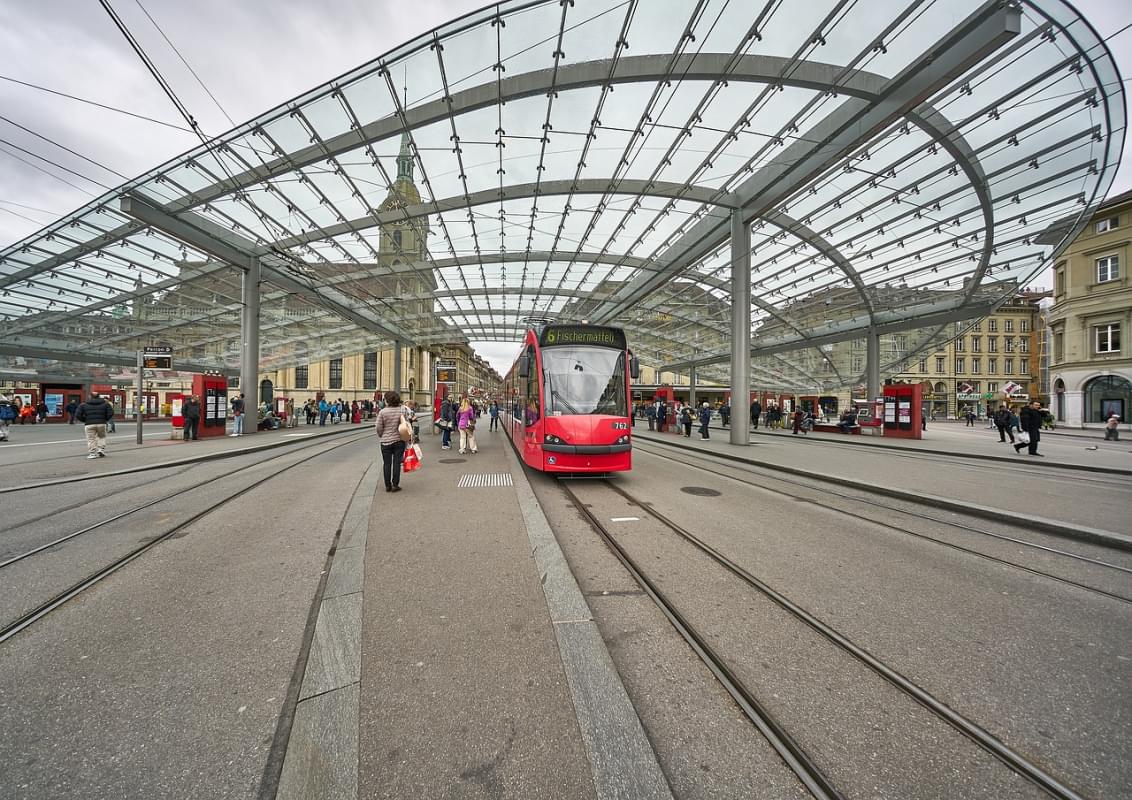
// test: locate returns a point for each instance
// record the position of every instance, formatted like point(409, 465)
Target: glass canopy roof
point(581, 160)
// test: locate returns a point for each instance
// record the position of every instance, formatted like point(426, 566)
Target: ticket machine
point(903, 403)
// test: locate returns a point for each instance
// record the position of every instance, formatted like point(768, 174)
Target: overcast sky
point(251, 54)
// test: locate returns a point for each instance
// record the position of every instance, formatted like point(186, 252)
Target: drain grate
point(484, 480)
point(700, 491)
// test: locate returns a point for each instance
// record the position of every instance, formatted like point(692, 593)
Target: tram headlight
point(623, 439)
point(552, 439)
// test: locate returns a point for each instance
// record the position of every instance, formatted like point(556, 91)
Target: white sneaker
point(92, 455)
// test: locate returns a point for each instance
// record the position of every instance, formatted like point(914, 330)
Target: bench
point(830, 427)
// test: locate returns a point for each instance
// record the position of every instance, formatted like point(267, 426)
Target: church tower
point(405, 241)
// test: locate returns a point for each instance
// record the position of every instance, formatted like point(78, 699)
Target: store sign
point(968, 396)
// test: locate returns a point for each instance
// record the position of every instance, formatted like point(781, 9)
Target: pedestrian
point(798, 416)
point(238, 406)
point(1030, 420)
point(705, 418)
point(94, 414)
point(756, 412)
point(1111, 429)
point(392, 445)
point(446, 422)
point(661, 415)
point(650, 415)
point(190, 411)
point(466, 422)
point(8, 412)
point(1002, 422)
point(71, 409)
point(493, 412)
point(725, 413)
point(685, 418)
point(41, 412)
point(970, 417)
point(323, 410)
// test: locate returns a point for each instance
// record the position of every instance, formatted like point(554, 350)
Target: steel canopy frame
point(292, 187)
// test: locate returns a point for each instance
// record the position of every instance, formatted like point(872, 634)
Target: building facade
point(1090, 366)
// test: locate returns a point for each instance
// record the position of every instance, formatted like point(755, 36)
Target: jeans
point(391, 457)
point(445, 437)
point(322, 417)
point(1003, 433)
point(191, 427)
point(494, 423)
point(238, 425)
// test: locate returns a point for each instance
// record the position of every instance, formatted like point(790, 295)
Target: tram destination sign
point(582, 334)
point(157, 358)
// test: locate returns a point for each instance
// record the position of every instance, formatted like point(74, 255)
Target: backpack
point(7, 411)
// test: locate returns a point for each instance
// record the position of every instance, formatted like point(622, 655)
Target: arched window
point(1059, 396)
point(266, 391)
point(941, 388)
point(1105, 395)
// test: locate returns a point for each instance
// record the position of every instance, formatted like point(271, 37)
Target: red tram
point(566, 402)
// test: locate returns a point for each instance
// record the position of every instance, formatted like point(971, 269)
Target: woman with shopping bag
point(390, 428)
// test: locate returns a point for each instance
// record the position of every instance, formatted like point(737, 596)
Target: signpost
point(149, 358)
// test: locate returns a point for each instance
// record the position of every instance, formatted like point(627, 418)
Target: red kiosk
point(213, 393)
point(903, 406)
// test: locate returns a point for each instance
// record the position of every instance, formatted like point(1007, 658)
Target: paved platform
point(454, 655)
point(959, 468)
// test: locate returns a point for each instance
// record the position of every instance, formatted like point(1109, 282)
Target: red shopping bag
point(410, 463)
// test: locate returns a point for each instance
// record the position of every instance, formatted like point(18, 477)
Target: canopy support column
point(249, 338)
point(692, 387)
point(397, 345)
point(740, 317)
point(872, 365)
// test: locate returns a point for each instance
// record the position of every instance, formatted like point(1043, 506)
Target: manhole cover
point(700, 491)
point(451, 460)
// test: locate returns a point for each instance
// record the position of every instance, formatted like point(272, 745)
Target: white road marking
point(624, 519)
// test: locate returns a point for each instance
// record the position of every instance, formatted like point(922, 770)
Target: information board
point(157, 358)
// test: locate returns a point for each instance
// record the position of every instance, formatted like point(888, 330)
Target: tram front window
point(584, 380)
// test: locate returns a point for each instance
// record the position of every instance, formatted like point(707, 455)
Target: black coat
point(95, 411)
point(1030, 420)
point(191, 410)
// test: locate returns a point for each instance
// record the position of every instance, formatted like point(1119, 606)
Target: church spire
point(405, 160)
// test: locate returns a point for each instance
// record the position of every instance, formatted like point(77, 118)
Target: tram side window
point(531, 411)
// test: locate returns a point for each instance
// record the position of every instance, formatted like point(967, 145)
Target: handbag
point(405, 430)
point(410, 462)
point(1023, 437)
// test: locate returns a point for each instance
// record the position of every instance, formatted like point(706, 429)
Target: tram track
point(812, 775)
point(30, 616)
point(766, 474)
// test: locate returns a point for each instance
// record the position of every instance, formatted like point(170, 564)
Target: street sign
point(157, 357)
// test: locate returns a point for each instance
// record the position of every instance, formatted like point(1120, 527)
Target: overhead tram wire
point(94, 103)
point(63, 147)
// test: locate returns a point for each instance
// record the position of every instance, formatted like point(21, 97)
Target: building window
point(976, 344)
point(1058, 347)
point(397, 239)
point(939, 364)
point(1010, 326)
point(335, 373)
point(1025, 326)
point(1108, 338)
point(1024, 366)
point(1009, 345)
point(1059, 283)
point(992, 344)
point(923, 365)
point(1108, 269)
point(992, 366)
point(1105, 396)
point(301, 377)
point(369, 371)
point(1023, 345)
point(959, 366)
point(976, 365)
point(959, 345)
point(992, 325)
point(1106, 224)
point(1008, 366)
point(858, 365)
point(977, 327)
point(992, 387)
